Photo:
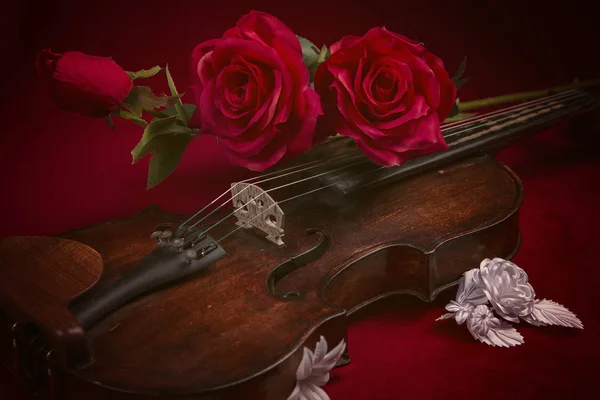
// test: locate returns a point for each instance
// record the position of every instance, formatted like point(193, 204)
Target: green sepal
point(454, 111)
point(110, 122)
point(323, 55)
point(460, 82)
point(144, 73)
point(458, 79)
point(312, 56)
point(457, 115)
point(460, 71)
point(182, 114)
point(142, 99)
point(132, 117)
point(460, 116)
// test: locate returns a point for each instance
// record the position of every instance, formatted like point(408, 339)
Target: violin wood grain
point(223, 335)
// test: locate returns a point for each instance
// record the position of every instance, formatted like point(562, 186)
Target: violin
point(224, 304)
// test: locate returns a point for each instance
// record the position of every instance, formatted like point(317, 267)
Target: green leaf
point(144, 73)
point(461, 70)
point(167, 141)
point(171, 111)
point(166, 157)
point(142, 99)
point(178, 105)
point(157, 128)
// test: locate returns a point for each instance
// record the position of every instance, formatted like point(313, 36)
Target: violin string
point(466, 121)
point(508, 116)
point(511, 108)
point(244, 189)
point(502, 116)
point(270, 190)
point(277, 175)
point(349, 154)
point(290, 199)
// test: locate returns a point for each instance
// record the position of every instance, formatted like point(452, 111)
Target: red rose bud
point(252, 91)
point(387, 93)
point(88, 85)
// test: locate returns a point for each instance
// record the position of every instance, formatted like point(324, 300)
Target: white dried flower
point(313, 371)
point(507, 288)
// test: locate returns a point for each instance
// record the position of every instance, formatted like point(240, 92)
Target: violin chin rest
point(39, 276)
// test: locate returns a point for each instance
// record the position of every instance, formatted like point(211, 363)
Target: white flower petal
point(320, 350)
point(306, 365)
point(313, 371)
point(462, 316)
point(335, 354)
point(315, 393)
point(295, 393)
point(470, 293)
point(319, 378)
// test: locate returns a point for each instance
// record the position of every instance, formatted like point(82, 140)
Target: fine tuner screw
point(161, 236)
point(191, 254)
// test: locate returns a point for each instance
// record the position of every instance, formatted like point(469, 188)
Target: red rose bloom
point(252, 91)
point(89, 85)
point(387, 93)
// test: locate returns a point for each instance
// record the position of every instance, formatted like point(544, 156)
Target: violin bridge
point(255, 208)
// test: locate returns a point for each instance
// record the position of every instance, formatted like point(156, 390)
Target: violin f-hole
point(294, 263)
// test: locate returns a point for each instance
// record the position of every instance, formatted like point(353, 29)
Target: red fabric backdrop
point(61, 171)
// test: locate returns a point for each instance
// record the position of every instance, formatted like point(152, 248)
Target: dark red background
point(60, 171)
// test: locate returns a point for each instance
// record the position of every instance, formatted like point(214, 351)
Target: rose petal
point(267, 27)
point(268, 157)
point(303, 139)
point(423, 137)
point(419, 109)
point(200, 52)
point(447, 88)
point(395, 39)
point(345, 42)
point(226, 49)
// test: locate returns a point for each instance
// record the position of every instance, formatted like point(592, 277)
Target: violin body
point(238, 328)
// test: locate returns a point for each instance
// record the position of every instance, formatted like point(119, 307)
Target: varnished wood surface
point(223, 327)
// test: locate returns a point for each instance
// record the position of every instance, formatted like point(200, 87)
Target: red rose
point(387, 93)
point(252, 91)
point(89, 85)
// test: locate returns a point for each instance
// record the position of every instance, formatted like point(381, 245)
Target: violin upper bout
point(38, 278)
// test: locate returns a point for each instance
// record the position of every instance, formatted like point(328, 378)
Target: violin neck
point(486, 133)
